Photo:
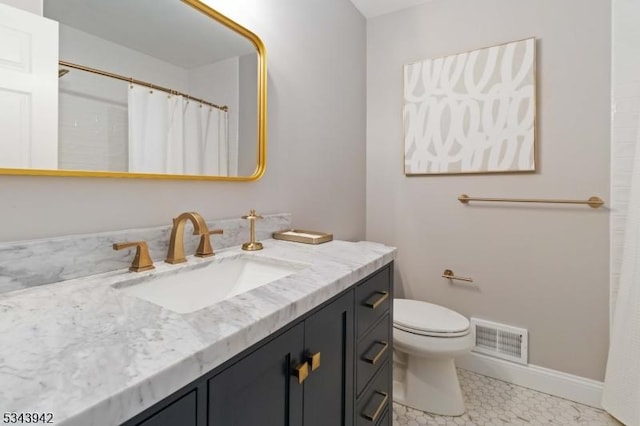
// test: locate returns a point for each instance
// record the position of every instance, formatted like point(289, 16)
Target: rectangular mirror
point(145, 88)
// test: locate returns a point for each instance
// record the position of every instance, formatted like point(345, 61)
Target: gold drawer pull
point(378, 297)
point(374, 359)
point(301, 372)
point(314, 361)
point(383, 397)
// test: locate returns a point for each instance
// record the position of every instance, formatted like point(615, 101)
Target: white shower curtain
point(621, 396)
point(171, 134)
point(155, 131)
point(206, 140)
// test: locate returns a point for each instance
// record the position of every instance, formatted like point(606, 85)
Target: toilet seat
point(428, 319)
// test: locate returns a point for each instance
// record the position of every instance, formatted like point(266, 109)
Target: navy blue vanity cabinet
point(329, 348)
point(183, 408)
point(330, 367)
point(303, 377)
point(183, 411)
point(261, 389)
point(374, 356)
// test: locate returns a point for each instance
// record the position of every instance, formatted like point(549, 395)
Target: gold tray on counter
point(302, 236)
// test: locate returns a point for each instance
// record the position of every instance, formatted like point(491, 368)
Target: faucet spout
point(176, 243)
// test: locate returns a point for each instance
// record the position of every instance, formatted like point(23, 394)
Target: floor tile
point(492, 402)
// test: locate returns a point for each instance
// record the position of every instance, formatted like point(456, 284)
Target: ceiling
point(165, 29)
point(157, 27)
point(371, 8)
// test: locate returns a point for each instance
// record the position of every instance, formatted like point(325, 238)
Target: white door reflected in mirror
point(28, 90)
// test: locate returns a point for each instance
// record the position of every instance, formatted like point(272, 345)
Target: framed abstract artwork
point(471, 113)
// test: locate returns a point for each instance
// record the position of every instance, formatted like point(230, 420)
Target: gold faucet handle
point(142, 260)
point(204, 248)
point(252, 245)
point(252, 215)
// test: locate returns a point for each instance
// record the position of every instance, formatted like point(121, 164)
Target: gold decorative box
point(302, 236)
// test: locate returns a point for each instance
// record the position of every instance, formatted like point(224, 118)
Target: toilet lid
point(425, 318)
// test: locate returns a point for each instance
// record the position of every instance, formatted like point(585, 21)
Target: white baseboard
point(552, 382)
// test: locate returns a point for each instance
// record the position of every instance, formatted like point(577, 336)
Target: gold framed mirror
point(159, 89)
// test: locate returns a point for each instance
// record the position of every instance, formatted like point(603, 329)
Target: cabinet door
point(180, 412)
point(328, 391)
point(260, 390)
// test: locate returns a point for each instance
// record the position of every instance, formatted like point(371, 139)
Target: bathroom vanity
point(311, 348)
point(83, 341)
point(302, 374)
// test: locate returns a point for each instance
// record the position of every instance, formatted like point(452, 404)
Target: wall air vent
point(500, 341)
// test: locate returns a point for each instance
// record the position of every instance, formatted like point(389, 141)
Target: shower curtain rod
point(139, 82)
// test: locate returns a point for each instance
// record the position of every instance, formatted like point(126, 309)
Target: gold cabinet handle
point(314, 361)
point(377, 396)
point(376, 299)
point(373, 359)
point(142, 260)
point(301, 372)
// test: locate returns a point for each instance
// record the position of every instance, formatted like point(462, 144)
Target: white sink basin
point(195, 287)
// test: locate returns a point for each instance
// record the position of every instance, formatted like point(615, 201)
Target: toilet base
point(431, 385)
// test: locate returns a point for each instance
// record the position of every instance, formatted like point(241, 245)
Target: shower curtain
point(175, 135)
point(621, 396)
point(206, 139)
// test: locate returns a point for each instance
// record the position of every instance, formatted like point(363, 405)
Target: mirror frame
point(262, 119)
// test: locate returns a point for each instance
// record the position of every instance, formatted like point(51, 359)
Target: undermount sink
point(194, 287)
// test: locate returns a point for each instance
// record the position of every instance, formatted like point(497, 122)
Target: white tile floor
point(491, 402)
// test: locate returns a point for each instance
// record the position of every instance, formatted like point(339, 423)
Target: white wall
point(625, 86)
point(541, 267)
point(86, 49)
point(33, 6)
point(93, 134)
point(316, 136)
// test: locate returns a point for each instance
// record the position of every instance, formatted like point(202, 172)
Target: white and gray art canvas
point(471, 113)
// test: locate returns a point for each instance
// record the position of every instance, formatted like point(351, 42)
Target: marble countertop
point(92, 355)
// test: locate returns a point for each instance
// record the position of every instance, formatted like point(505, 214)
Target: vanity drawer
point(373, 351)
point(373, 298)
point(375, 400)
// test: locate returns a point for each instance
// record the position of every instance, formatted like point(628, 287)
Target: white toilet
point(426, 338)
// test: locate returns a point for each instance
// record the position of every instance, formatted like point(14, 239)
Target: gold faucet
point(252, 245)
point(176, 243)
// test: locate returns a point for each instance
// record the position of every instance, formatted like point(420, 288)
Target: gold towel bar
point(593, 202)
point(448, 273)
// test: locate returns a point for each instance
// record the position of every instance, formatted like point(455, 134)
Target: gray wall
point(247, 152)
point(316, 157)
point(541, 267)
